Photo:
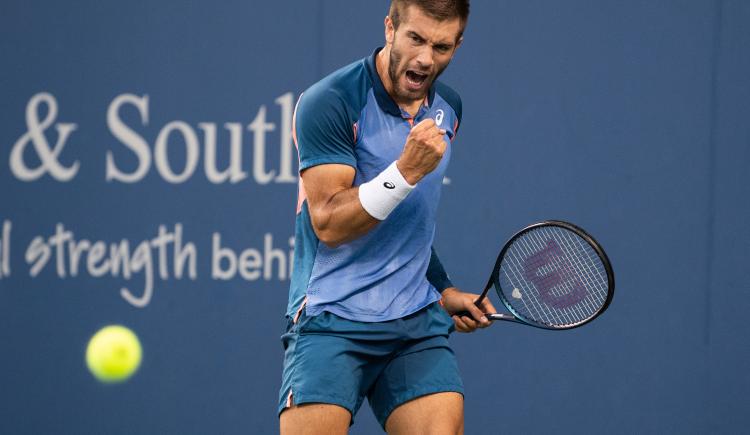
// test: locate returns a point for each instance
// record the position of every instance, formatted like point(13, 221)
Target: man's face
point(420, 49)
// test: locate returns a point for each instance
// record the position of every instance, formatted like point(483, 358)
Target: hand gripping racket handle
point(478, 303)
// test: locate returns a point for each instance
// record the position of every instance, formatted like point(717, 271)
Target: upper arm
point(324, 129)
point(336, 213)
point(324, 135)
point(322, 182)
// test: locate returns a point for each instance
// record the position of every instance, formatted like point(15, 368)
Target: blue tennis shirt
point(392, 271)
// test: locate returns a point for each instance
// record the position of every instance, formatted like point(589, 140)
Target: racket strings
point(541, 311)
point(583, 269)
point(571, 259)
point(552, 276)
point(591, 268)
point(578, 256)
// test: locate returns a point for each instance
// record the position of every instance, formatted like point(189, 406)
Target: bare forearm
point(341, 218)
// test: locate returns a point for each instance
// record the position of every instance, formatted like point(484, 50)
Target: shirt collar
point(384, 100)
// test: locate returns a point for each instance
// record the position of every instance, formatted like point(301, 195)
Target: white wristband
point(383, 193)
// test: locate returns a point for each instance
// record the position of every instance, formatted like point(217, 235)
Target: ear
point(389, 30)
point(459, 42)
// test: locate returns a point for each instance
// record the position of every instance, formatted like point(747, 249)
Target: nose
point(424, 57)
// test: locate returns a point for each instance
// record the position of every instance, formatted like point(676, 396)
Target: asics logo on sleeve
point(389, 185)
point(439, 117)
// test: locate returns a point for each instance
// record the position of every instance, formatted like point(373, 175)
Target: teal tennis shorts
point(329, 359)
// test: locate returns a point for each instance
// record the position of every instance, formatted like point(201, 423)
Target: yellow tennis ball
point(113, 354)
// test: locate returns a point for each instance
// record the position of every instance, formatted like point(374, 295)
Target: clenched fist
point(422, 152)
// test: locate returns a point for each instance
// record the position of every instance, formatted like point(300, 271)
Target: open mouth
point(415, 79)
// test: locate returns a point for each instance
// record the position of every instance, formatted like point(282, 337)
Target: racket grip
point(490, 316)
point(467, 314)
point(500, 316)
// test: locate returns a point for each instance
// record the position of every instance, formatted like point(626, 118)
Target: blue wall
point(631, 119)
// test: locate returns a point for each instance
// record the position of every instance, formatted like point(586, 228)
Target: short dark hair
point(440, 10)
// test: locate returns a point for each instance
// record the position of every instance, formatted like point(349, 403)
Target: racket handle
point(468, 314)
point(490, 316)
point(500, 316)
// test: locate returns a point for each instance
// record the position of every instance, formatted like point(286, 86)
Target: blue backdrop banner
point(148, 178)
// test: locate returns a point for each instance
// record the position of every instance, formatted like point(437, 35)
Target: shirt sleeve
point(453, 99)
point(324, 129)
point(436, 274)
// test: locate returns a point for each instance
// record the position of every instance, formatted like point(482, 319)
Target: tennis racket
point(551, 275)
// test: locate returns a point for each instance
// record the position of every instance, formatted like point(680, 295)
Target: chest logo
point(439, 117)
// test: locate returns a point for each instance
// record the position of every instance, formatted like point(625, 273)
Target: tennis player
point(370, 305)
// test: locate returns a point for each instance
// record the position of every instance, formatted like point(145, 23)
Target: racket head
point(554, 275)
